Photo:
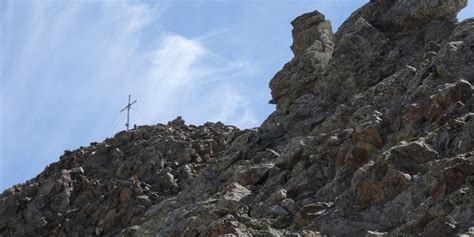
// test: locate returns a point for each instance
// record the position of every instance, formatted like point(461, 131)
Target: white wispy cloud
point(185, 78)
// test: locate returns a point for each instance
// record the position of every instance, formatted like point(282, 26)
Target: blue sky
point(67, 67)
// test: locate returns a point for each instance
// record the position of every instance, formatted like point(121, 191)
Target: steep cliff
point(373, 135)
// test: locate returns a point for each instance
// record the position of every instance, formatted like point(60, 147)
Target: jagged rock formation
point(373, 135)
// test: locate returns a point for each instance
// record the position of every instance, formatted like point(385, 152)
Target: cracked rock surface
point(373, 135)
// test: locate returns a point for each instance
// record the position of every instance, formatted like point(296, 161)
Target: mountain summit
point(373, 135)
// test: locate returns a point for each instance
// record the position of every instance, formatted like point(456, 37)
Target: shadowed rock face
point(373, 135)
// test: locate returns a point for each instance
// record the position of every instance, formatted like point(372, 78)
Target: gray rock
point(276, 210)
point(77, 170)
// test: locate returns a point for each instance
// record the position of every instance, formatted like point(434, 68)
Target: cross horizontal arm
point(126, 107)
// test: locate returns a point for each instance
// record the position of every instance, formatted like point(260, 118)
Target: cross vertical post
point(128, 107)
point(128, 112)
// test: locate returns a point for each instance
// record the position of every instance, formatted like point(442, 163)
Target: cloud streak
point(186, 78)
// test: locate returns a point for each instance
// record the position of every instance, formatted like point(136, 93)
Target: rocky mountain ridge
point(373, 135)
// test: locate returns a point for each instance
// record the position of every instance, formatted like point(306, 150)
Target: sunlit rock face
point(373, 135)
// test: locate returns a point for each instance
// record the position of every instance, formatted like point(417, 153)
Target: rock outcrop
point(373, 135)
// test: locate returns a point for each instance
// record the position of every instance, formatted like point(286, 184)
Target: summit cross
point(128, 107)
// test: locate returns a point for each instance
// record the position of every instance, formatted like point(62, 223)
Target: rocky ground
point(373, 135)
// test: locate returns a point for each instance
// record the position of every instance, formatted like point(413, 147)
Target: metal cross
point(129, 105)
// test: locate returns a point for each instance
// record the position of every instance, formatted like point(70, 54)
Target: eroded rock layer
point(373, 135)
